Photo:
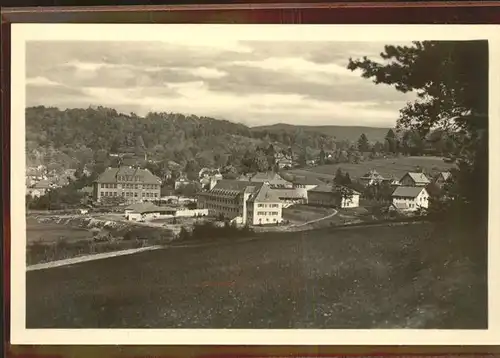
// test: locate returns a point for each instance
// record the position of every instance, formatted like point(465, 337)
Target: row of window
point(270, 213)
point(222, 208)
point(266, 205)
point(131, 186)
point(108, 185)
point(129, 194)
point(223, 200)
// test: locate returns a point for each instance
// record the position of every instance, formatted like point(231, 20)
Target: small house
point(410, 198)
point(39, 189)
point(181, 182)
point(333, 196)
point(371, 178)
point(442, 178)
point(414, 179)
point(147, 211)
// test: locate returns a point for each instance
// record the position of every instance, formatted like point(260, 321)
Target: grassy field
point(48, 241)
point(411, 276)
point(48, 233)
point(303, 213)
point(390, 167)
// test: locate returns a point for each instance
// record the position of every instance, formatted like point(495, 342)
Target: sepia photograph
point(229, 181)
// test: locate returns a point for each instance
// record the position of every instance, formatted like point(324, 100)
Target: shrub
point(209, 230)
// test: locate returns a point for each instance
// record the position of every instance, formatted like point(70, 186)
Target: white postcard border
point(139, 32)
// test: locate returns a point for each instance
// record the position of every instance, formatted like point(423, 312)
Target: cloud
point(253, 82)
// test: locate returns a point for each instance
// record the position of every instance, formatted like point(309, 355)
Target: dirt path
point(335, 212)
point(86, 258)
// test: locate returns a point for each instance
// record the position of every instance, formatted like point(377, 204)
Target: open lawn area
point(303, 213)
point(379, 277)
point(52, 232)
point(52, 241)
point(390, 167)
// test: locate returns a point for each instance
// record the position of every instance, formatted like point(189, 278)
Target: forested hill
point(348, 133)
point(77, 135)
point(95, 138)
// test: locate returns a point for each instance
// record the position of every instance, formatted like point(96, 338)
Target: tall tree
point(347, 179)
point(391, 141)
point(322, 157)
point(339, 177)
point(363, 144)
point(451, 82)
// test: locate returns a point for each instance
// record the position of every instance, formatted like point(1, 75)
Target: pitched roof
point(287, 193)
point(110, 175)
point(445, 175)
point(303, 180)
point(407, 191)
point(237, 185)
point(264, 195)
point(372, 174)
point(143, 207)
point(330, 189)
point(233, 188)
point(417, 177)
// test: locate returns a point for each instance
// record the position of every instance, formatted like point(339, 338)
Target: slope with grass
point(389, 167)
point(384, 277)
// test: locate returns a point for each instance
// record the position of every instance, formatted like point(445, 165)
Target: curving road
point(335, 212)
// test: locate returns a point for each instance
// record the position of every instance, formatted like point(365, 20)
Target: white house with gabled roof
point(410, 198)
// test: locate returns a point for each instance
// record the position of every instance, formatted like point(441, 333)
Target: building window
point(135, 194)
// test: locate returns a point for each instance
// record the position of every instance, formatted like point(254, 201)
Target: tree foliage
point(363, 143)
point(450, 79)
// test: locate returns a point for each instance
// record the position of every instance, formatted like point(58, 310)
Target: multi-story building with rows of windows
point(251, 203)
point(133, 184)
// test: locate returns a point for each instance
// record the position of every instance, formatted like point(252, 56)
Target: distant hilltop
point(349, 133)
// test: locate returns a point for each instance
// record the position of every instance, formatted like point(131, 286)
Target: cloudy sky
point(253, 82)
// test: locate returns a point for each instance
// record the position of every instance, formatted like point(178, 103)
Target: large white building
point(131, 183)
point(247, 202)
point(264, 207)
